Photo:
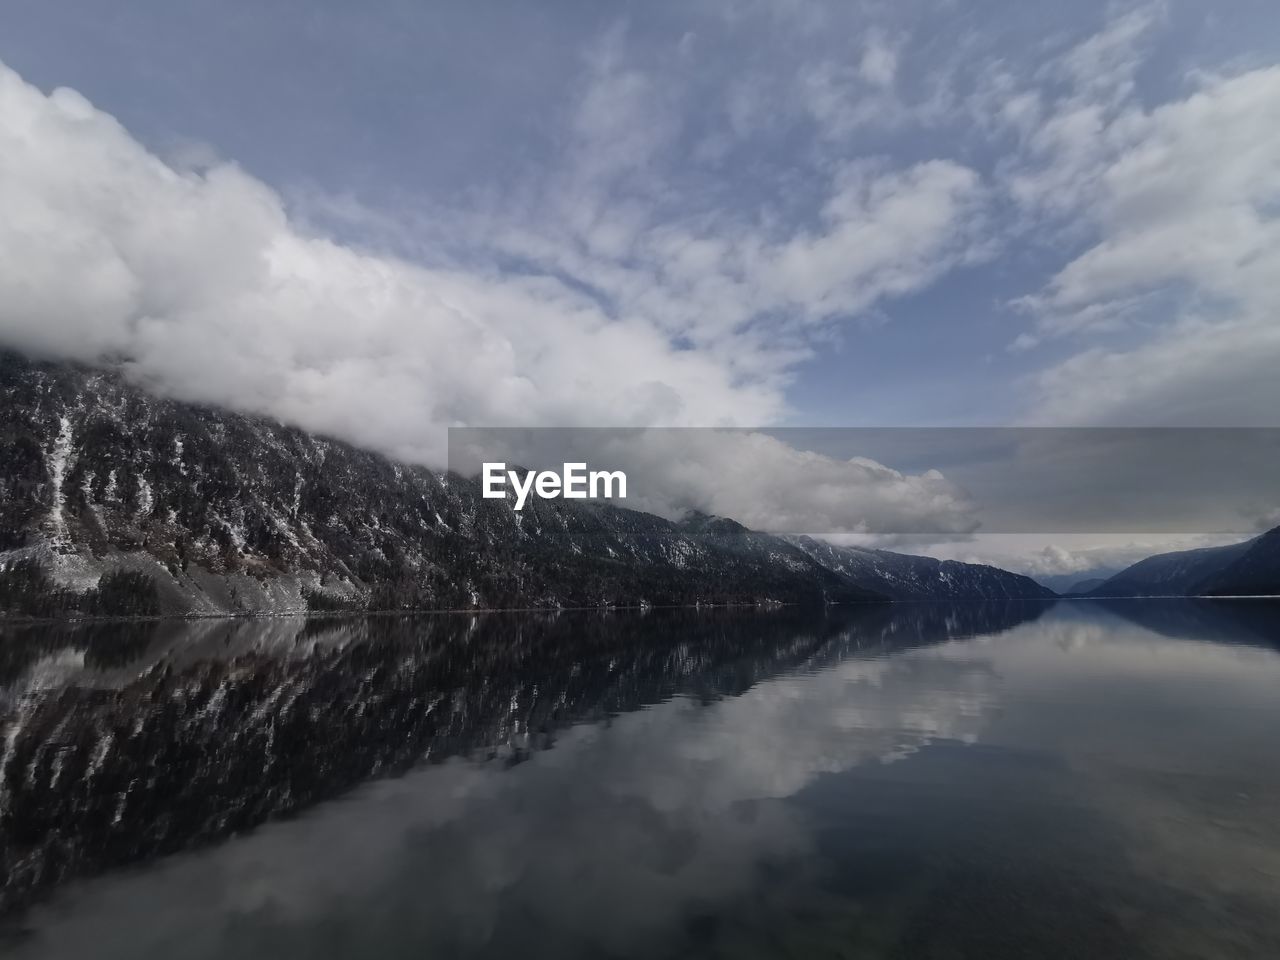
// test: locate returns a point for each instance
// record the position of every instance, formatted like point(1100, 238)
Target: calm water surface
point(1075, 780)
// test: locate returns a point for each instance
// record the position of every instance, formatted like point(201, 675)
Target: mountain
point(1256, 572)
point(114, 501)
point(904, 577)
point(1081, 587)
point(1183, 573)
point(117, 502)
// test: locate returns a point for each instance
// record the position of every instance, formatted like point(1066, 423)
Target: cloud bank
point(197, 283)
point(694, 235)
point(760, 480)
point(1180, 207)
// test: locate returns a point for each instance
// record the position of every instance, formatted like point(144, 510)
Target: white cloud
point(201, 284)
point(1186, 194)
point(1196, 372)
point(845, 99)
point(203, 287)
point(752, 295)
point(1102, 68)
point(758, 480)
point(879, 64)
point(749, 282)
point(1180, 205)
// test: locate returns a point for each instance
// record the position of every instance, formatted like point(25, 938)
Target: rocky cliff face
point(106, 491)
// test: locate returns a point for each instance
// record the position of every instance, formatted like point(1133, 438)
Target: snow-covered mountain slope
point(904, 577)
point(116, 501)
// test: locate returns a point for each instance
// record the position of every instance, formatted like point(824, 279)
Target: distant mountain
point(1064, 584)
point(113, 501)
point(1251, 568)
point(904, 577)
point(1081, 587)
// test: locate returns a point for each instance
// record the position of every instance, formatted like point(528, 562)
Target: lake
point(931, 781)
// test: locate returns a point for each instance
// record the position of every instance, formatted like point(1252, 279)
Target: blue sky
point(380, 219)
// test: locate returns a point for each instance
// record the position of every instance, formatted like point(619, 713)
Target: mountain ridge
point(904, 576)
point(114, 501)
point(227, 513)
point(1248, 568)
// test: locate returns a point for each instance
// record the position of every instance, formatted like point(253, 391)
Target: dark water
point(982, 781)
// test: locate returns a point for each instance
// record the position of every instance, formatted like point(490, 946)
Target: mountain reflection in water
point(981, 780)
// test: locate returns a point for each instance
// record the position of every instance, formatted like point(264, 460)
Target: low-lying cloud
point(197, 283)
point(758, 479)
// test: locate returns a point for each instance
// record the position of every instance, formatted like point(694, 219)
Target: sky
point(377, 220)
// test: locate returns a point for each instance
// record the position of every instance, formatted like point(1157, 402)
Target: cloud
point(1179, 208)
point(759, 480)
point(879, 64)
point(1186, 194)
point(1056, 559)
point(201, 284)
point(1196, 372)
point(1102, 68)
point(749, 282)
